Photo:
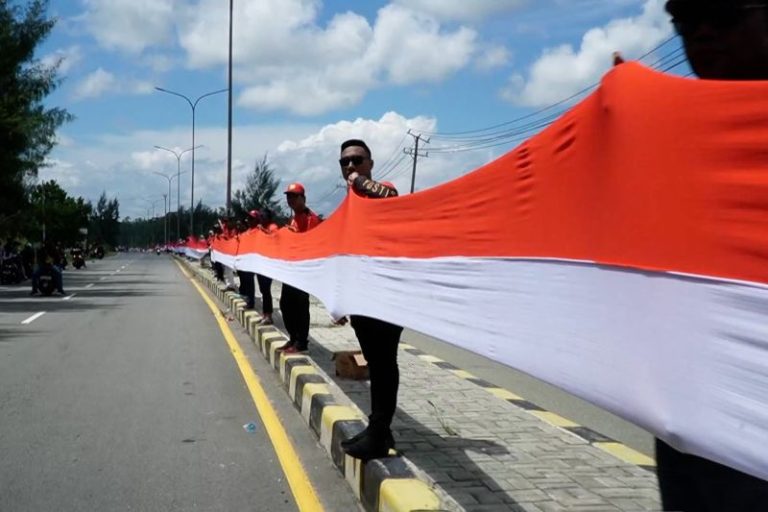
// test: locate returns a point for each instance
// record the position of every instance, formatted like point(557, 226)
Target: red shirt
point(304, 221)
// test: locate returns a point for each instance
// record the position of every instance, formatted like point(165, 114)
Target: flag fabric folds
point(621, 254)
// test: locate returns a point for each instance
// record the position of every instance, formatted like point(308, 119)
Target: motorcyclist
point(46, 262)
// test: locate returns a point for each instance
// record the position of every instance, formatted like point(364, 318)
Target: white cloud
point(130, 25)
point(409, 47)
point(66, 58)
point(298, 152)
point(562, 71)
point(159, 63)
point(101, 82)
point(315, 156)
point(462, 10)
point(95, 84)
point(288, 61)
point(492, 57)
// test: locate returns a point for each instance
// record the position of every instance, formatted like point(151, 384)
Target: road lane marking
point(33, 318)
point(102, 278)
point(89, 286)
point(298, 481)
point(69, 297)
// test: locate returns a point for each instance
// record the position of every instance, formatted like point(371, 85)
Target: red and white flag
point(621, 254)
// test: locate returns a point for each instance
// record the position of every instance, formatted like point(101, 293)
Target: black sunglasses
point(689, 15)
point(355, 160)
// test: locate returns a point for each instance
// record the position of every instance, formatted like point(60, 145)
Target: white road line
point(69, 297)
point(33, 318)
point(102, 278)
point(89, 286)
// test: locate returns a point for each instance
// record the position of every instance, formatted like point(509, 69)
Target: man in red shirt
point(378, 339)
point(294, 303)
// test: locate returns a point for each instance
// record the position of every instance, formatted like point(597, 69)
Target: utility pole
point(414, 152)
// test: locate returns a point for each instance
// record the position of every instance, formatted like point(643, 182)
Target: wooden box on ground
point(351, 365)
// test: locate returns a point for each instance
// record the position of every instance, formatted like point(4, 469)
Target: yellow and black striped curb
point(596, 439)
point(388, 484)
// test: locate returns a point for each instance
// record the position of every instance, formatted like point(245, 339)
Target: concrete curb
point(382, 485)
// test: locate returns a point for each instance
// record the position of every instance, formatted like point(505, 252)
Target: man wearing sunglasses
point(294, 303)
point(723, 40)
point(378, 339)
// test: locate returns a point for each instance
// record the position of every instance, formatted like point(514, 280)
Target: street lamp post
point(165, 218)
point(178, 156)
point(193, 106)
point(170, 178)
point(229, 114)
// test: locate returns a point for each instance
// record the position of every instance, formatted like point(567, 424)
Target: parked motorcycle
point(11, 270)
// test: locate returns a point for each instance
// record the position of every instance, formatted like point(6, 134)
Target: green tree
point(261, 191)
point(105, 221)
point(56, 215)
point(27, 127)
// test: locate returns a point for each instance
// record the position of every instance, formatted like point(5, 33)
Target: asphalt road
point(534, 390)
point(124, 395)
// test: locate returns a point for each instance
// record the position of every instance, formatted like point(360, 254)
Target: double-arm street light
point(193, 106)
point(178, 155)
point(169, 177)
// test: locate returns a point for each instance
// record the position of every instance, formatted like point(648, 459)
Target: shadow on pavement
point(442, 456)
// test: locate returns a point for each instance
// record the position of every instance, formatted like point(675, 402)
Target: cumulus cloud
point(314, 157)
point(288, 58)
point(130, 25)
point(323, 67)
point(462, 10)
point(562, 71)
point(95, 84)
point(64, 58)
point(297, 151)
point(493, 57)
point(101, 82)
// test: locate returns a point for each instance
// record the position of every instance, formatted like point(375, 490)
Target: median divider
point(390, 484)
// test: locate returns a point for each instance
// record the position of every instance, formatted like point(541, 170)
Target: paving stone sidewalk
point(481, 450)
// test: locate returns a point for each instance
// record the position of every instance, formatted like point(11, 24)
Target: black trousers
point(218, 270)
point(247, 287)
point(378, 341)
point(294, 307)
point(693, 484)
point(265, 288)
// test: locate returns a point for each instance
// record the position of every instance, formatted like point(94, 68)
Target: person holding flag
point(378, 339)
point(294, 303)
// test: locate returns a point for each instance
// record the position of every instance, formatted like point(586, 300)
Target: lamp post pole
point(169, 178)
point(229, 116)
point(178, 156)
point(193, 106)
point(165, 219)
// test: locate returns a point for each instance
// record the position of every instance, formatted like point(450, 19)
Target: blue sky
point(308, 75)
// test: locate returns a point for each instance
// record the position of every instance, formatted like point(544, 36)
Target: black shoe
point(355, 438)
point(370, 446)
